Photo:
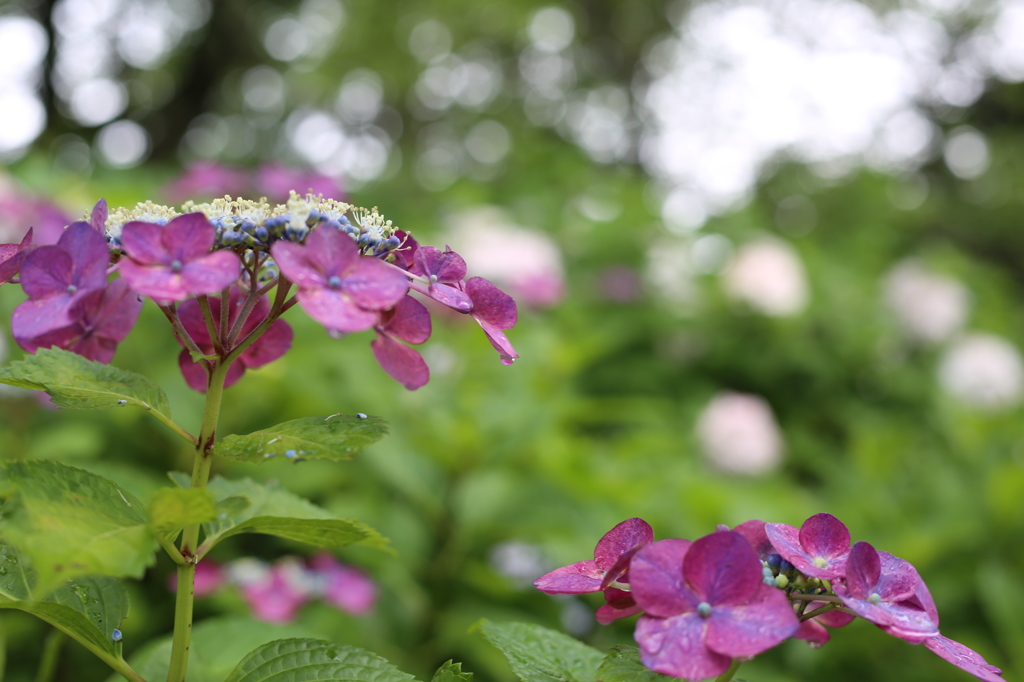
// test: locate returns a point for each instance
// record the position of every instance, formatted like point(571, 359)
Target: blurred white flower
point(768, 275)
point(738, 434)
point(521, 562)
point(525, 263)
point(929, 307)
point(983, 371)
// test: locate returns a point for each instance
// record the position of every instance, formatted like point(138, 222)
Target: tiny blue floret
point(116, 635)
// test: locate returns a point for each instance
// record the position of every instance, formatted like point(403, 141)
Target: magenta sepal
point(588, 576)
point(963, 657)
point(409, 321)
point(821, 539)
point(12, 256)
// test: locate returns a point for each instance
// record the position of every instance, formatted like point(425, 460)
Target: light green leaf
point(271, 510)
point(171, 509)
point(75, 383)
point(310, 660)
point(451, 672)
point(334, 438)
point(218, 644)
point(622, 664)
point(537, 654)
point(87, 608)
point(70, 522)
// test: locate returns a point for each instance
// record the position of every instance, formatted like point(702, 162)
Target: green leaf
point(218, 644)
point(309, 660)
point(70, 522)
point(87, 608)
point(622, 664)
point(334, 438)
point(451, 672)
point(74, 383)
point(271, 510)
point(537, 654)
point(171, 509)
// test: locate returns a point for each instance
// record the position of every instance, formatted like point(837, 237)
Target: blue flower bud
point(262, 233)
point(116, 635)
point(773, 561)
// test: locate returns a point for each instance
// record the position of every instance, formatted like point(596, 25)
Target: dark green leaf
point(311, 660)
point(87, 608)
point(452, 672)
point(622, 664)
point(337, 437)
point(70, 522)
point(171, 509)
point(75, 383)
point(537, 654)
point(274, 511)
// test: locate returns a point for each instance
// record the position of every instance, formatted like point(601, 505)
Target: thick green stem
point(51, 654)
point(190, 536)
point(727, 675)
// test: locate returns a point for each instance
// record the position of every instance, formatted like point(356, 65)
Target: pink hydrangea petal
point(833, 619)
point(906, 622)
point(191, 317)
point(330, 251)
point(579, 578)
point(410, 321)
point(825, 536)
point(446, 295)
point(346, 588)
point(723, 569)
point(403, 364)
point(187, 237)
point(335, 311)
point(446, 265)
point(373, 285)
point(618, 604)
point(923, 599)
point(656, 578)
point(491, 304)
point(98, 216)
point(211, 273)
point(813, 632)
point(406, 253)
point(209, 578)
point(274, 600)
point(94, 348)
point(88, 250)
point(157, 282)
point(32, 319)
point(194, 373)
point(675, 646)
point(964, 658)
point(754, 532)
point(12, 256)
point(142, 243)
point(898, 580)
point(273, 344)
point(750, 628)
point(59, 337)
point(863, 569)
point(47, 272)
point(624, 537)
point(115, 313)
point(500, 342)
point(295, 266)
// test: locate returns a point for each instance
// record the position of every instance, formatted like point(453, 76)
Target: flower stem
point(727, 675)
point(190, 536)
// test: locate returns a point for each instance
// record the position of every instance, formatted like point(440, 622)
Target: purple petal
point(755, 534)
point(964, 658)
point(188, 237)
point(33, 319)
point(330, 252)
point(346, 588)
point(656, 578)
point(500, 342)
point(619, 604)
point(275, 342)
point(723, 569)
point(12, 256)
point(491, 304)
point(624, 537)
point(748, 629)
point(579, 578)
point(142, 243)
point(195, 373)
point(825, 536)
point(675, 646)
point(921, 598)
point(906, 622)
point(191, 317)
point(813, 632)
point(863, 569)
point(98, 217)
point(94, 348)
point(47, 272)
point(211, 273)
point(88, 250)
point(155, 281)
point(833, 619)
point(335, 311)
point(295, 266)
point(447, 295)
point(898, 580)
point(403, 364)
point(373, 285)
point(108, 313)
point(446, 265)
point(406, 253)
point(408, 321)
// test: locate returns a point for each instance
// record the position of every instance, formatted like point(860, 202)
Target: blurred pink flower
point(343, 586)
point(209, 578)
point(19, 211)
point(207, 179)
point(275, 593)
point(738, 434)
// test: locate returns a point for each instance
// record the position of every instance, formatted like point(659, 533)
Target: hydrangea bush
point(224, 273)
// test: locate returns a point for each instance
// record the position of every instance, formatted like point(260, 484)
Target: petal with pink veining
point(335, 311)
point(273, 344)
point(403, 364)
point(447, 266)
point(965, 658)
point(211, 273)
point(863, 569)
point(722, 568)
point(618, 604)
point(187, 237)
point(410, 321)
point(825, 536)
point(750, 628)
point(500, 342)
point(47, 272)
point(579, 578)
point(491, 304)
point(675, 646)
point(88, 250)
point(331, 251)
point(656, 578)
point(373, 285)
point(159, 283)
point(295, 265)
point(142, 243)
point(755, 534)
point(625, 536)
point(446, 295)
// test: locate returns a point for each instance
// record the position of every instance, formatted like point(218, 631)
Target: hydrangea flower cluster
point(736, 593)
point(211, 266)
